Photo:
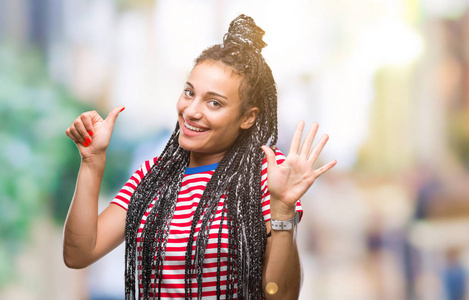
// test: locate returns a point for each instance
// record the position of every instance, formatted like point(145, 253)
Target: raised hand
point(91, 133)
point(290, 180)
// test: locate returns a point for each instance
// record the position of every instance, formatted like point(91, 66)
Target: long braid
point(220, 230)
point(164, 176)
point(236, 182)
point(232, 219)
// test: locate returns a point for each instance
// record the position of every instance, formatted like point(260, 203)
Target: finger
point(308, 142)
point(317, 150)
point(70, 135)
point(87, 119)
point(325, 168)
point(296, 139)
point(87, 126)
point(82, 134)
point(77, 138)
point(95, 118)
point(270, 155)
point(112, 116)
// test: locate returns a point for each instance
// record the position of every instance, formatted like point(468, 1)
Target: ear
point(249, 118)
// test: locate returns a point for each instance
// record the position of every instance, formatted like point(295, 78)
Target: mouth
point(194, 128)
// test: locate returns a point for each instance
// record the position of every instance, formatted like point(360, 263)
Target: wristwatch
point(285, 225)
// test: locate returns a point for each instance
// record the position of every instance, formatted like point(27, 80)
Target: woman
point(199, 218)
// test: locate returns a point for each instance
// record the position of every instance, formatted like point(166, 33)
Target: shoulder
point(123, 196)
point(148, 164)
point(145, 167)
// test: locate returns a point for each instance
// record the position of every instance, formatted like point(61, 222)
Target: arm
point(287, 183)
point(87, 236)
point(282, 265)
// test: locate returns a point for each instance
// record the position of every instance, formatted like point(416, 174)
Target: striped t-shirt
point(192, 188)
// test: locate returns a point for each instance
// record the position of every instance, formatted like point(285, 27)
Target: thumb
point(112, 116)
point(270, 155)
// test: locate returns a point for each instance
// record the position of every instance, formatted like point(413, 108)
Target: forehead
point(212, 76)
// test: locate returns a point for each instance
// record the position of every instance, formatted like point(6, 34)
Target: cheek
point(180, 106)
point(231, 130)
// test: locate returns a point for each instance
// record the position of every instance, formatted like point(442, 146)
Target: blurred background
point(388, 80)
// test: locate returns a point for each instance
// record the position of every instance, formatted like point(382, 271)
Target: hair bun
point(244, 32)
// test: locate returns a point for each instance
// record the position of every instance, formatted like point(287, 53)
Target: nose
point(193, 109)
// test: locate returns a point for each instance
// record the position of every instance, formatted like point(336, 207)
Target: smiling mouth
point(196, 129)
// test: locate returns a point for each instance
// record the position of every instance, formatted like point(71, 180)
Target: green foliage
point(38, 163)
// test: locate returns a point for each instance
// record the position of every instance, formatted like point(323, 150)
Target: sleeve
point(123, 196)
point(265, 189)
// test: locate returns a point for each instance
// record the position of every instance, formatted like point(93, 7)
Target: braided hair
point(237, 177)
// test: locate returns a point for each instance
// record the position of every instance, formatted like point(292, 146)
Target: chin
point(186, 146)
point(181, 144)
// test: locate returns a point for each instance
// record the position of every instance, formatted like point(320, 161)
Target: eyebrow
point(209, 93)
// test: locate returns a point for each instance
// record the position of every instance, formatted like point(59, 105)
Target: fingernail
point(85, 144)
point(122, 109)
point(88, 141)
point(90, 132)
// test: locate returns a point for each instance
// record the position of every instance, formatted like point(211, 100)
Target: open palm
point(290, 180)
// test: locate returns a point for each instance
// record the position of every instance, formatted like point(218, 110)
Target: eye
point(214, 103)
point(189, 93)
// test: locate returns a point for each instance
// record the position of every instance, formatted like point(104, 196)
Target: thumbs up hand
point(91, 133)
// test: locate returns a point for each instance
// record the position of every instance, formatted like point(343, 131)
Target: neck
point(198, 159)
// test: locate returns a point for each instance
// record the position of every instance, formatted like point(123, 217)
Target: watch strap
point(285, 225)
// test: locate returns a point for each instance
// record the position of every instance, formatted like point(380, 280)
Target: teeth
point(194, 128)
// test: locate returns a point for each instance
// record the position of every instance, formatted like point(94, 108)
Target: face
point(209, 112)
